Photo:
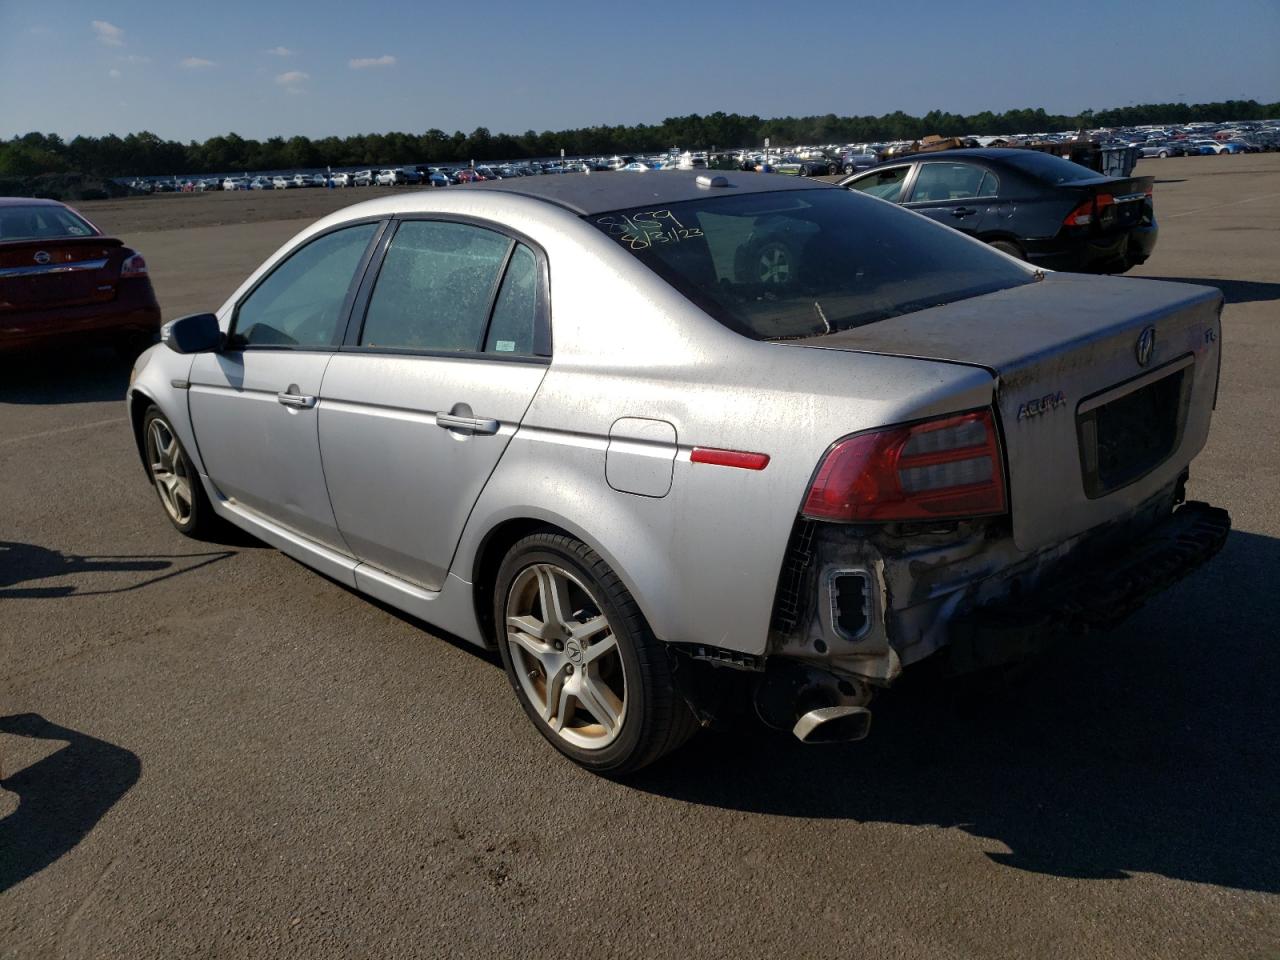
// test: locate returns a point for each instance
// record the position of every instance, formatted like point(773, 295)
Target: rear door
point(449, 344)
point(953, 192)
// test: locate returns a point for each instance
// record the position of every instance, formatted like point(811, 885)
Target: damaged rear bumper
point(1099, 597)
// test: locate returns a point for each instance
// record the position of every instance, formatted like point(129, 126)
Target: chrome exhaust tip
point(840, 724)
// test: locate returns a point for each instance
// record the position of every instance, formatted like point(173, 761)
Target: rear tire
point(585, 666)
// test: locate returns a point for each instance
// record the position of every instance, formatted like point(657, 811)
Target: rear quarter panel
point(703, 561)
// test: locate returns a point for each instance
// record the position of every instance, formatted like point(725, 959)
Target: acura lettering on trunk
point(670, 442)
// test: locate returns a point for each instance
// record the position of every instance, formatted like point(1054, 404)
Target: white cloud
point(293, 80)
point(280, 52)
point(108, 34)
point(361, 63)
point(195, 63)
point(113, 73)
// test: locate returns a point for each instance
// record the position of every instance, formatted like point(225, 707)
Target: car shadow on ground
point(24, 563)
point(1235, 291)
point(60, 798)
point(1152, 748)
point(76, 375)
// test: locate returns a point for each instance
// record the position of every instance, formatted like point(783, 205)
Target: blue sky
point(319, 68)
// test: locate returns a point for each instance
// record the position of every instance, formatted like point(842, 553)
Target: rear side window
point(436, 287)
point(1048, 168)
point(300, 303)
point(515, 312)
point(806, 262)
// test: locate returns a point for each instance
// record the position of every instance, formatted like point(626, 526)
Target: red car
point(61, 280)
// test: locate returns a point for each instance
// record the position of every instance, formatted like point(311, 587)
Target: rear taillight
point(133, 266)
point(944, 468)
point(1092, 209)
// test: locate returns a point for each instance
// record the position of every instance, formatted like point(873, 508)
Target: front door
point(254, 404)
point(953, 193)
point(417, 409)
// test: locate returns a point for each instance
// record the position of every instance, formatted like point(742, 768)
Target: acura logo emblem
point(42, 256)
point(1146, 346)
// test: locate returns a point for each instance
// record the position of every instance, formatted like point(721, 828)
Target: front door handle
point(290, 397)
point(963, 212)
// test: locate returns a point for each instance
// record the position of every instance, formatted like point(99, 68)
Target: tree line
point(145, 154)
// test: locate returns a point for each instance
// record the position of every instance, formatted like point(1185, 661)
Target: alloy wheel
point(774, 264)
point(169, 471)
point(566, 656)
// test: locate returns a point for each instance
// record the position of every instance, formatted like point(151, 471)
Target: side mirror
point(197, 333)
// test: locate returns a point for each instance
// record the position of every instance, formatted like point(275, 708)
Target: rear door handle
point(300, 400)
point(476, 425)
point(963, 212)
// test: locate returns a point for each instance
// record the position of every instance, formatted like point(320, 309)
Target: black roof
point(590, 193)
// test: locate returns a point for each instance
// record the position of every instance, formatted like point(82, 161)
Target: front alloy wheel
point(174, 477)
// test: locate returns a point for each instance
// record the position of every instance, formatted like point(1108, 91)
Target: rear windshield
point(1050, 169)
point(40, 222)
point(795, 264)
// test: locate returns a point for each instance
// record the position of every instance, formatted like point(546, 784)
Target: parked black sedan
point(1035, 206)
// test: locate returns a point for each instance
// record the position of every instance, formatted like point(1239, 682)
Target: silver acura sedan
point(677, 443)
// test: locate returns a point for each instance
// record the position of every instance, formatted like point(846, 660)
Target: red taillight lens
point(134, 266)
point(945, 468)
point(1090, 210)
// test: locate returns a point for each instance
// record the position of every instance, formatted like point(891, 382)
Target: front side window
point(300, 303)
point(885, 184)
point(436, 287)
point(806, 262)
point(939, 181)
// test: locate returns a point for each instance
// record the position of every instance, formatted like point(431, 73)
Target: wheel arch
point(504, 533)
point(139, 402)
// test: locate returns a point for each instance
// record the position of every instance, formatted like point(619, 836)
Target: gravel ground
point(235, 757)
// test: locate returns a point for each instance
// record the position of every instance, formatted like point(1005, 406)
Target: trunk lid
point(1089, 431)
point(1114, 203)
point(58, 272)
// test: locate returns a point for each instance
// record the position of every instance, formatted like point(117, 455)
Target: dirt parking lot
point(211, 751)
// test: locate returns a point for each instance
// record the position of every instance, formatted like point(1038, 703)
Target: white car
point(363, 179)
point(636, 167)
point(385, 178)
point(281, 183)
point(231, 183)
point(342, 180)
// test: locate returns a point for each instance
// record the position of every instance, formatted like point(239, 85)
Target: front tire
point(175, 478)
point(583, 662)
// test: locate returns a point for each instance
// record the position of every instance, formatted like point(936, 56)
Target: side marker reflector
point(730, 458)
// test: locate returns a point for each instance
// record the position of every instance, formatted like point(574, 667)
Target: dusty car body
point(804, 478)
